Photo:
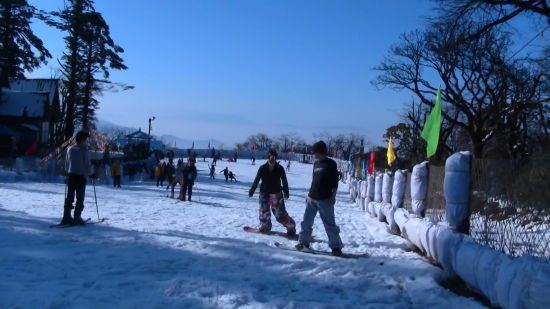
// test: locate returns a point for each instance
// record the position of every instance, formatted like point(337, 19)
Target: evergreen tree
point(20, 49)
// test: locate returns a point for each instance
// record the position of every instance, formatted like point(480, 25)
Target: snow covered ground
point(156, 252)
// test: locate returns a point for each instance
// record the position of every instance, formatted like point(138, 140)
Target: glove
point(286, 196)
point(250, 193)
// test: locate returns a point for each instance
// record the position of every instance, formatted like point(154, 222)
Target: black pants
point(160, 181)
point(76, 185)
point(116, 181)
point(186, 189)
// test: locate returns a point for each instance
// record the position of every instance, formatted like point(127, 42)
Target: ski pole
point(96, 207)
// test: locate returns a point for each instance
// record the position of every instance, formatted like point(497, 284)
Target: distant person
point(159, 174)
point(253, 160)
point(189, 174)
point(272, 174)
point(225, 172)
point(232, 176)
point(322, 198)
point(116, 172)
point(212, 171)
point(288, 166)
point(77, 167)
point(169, 172)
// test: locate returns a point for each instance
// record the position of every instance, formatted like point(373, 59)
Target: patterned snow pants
point(274, 203)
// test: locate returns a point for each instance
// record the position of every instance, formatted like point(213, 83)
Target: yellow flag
point(391, 155)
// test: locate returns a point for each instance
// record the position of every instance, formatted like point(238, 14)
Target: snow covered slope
point(155, 252)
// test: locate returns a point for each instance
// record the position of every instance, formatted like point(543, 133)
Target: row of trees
point(85, 65)
point(341, 144)
point(495, 102)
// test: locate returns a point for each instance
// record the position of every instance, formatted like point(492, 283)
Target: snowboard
point(319, 252)
point(88, 222)
point(275, 233)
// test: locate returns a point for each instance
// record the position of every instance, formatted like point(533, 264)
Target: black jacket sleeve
point(285, 182)
point(256, 181)
point(334, 175)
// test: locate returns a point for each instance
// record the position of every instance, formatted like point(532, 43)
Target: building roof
point(138, 135)
point(45, 85)
point(23, 104)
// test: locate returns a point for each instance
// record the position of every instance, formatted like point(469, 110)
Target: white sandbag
point(387, 187)
point(423, 234)
point(389, 214)
point(456, 187)
point(447, 246)
point(486, 272)
point(433, 234)
point(380, 212)
point(398, 189)
point(410, 231)
point(371, 209)
point(419, 187)
point(503, 281)
point(370, 188)
point(538, 291)
point(400, 216)
point(378, 187)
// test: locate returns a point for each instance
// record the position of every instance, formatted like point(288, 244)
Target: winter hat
point(81, 136)
point(272, 153)
point(320, 147)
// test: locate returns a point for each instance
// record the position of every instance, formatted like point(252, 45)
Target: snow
point(156, 252)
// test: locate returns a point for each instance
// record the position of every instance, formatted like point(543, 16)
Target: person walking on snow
point(189, 174)
point(288, 166)
point(271, 199)
point(116, 171)
point(212, 171)
point(225, 172)
point(322, 198)
point(77, 167)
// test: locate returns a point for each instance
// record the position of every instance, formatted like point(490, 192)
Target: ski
point(319, 252)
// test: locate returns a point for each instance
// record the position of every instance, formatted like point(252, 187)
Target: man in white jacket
point(77, 168)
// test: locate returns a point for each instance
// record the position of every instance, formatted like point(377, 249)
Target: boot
point(77, 218)
point(336, 252)
point(67, 219)
point(301, 247)
point(291, 232)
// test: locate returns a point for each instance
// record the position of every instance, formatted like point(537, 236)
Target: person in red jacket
point(271, 195)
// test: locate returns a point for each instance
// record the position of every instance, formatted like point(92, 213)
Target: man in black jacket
point(189, 174)
point(322, 198)
point(271, 200)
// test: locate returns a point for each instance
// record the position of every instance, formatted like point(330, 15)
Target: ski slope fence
point(440, 232)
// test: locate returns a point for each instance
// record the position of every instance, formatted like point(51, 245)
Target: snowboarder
point(271, 195)
point(322, 198)
point(77, 167)
point(189, 174)
point(169, 173)
point(225, 172)
point(212, 171)
point(159, 174)
point(232, 176)
point(116, 172)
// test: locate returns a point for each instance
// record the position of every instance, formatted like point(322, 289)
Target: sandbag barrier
point(507, 282)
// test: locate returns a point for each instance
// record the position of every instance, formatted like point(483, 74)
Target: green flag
point(430, 132)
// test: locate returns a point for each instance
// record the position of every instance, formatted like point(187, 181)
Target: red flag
point(31, 149)
point(370, 169)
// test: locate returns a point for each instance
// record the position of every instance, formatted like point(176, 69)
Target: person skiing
point(116, 172)
point(232, 176)
point(77, 167)
point(271, 199)
point(212, 171)
point(189, 174)
point(322, 198)
point(225, 172)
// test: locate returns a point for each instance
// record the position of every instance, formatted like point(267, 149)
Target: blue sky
point(225, 69)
